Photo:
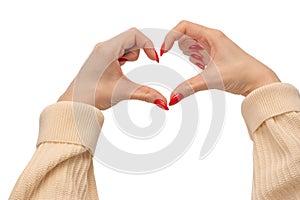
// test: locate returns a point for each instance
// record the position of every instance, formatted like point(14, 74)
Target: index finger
point(186, 28)
point(130, 40)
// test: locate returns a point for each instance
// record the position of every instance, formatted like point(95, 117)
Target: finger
point(132, 55)
point(169, 41)
point(198, 32)
point(151, 53)
point(199, 63)
point(192, 49)
point(187, 88)
point(147, 94)
point(198, 57)
point(126, 89)
point(185, 42)
point(129, 56)
point(132, 39)
point(198, 60)
point(189, 46)
point(144, 42)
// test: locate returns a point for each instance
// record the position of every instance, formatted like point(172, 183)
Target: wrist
point(66, 96)
point(267, 79)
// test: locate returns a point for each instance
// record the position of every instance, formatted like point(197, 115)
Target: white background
point(44, 43)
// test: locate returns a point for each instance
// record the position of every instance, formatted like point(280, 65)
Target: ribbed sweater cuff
point(71, 122)
point(269, 101)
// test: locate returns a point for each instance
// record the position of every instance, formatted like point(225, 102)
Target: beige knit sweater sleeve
point(272, 115)
point(62, 166)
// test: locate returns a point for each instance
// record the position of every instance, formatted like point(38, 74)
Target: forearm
point(272, 115)
point(62, 166)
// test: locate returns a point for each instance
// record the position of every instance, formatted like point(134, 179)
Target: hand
point(225, 65)
point(101, 82)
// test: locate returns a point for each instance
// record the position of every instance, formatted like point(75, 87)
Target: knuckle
point(183, 22)
point(148, 43)
point(98, 45)
point(147, 94)
point(217, 33)
point(133, 29)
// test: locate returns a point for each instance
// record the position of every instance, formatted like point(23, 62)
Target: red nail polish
point(156, 57)
point(160, 103)
point(197, 57)
point(195, 47)
point(175, 99)
point(162, 49)
point(200, 66)
point(122, 60)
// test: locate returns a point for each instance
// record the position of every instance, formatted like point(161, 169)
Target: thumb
point(187, 88)
point(150, 95)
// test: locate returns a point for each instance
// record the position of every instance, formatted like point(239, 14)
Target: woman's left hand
point(101, 82)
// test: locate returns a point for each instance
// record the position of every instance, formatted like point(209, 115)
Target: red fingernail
point(195, 47)
point(162, 49)
point(175, 99)
point(122, 60)
point(156, 57)
point(160, 103)
point(200, 66)
point(197, 57)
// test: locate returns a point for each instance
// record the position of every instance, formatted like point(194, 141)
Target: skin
point(101, 82)
point(227, 66)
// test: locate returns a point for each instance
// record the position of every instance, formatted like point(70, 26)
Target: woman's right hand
point(225, 65)
point(101, 82)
